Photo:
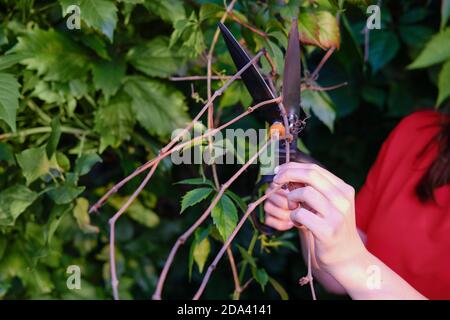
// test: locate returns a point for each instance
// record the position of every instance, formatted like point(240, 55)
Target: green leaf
point(319, 28)
point(445, 12)
point(210, 10)
point(189, 33)
point(108, 76)
point(200, 255)
point(55, 135)
point(114, 122)
point(138, 211)
point(279, 288)
point(151, 100)
point(196, 181)
point(155, 58)
point(261, 276)
point(444, 83)
point(415, 36)
point(9, 60)
point(34, 163)
point(225, 217)
point(193, 197)
point(169, 11)
point(66, 192)
point(81, 215)
point(9, 99)
point(85, 163)
point(247, 257)
point(435, 51)
point(98, 14)
point(321, 105)
point(201, 252)
point(237, 199)
point(13, 202)
point(56, 216)
point(53, 55)
point(384, 46)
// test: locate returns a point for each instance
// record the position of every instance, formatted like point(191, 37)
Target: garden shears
point(262, 90)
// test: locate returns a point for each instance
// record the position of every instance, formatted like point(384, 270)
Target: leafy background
point(80, 109)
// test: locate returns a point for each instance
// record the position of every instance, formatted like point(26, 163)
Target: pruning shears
point(261, 90)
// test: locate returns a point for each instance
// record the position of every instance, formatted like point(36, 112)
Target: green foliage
point(81, 109)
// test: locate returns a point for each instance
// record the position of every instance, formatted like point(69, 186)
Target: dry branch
point(164, 150)
point(216, 260)
point(182, 239)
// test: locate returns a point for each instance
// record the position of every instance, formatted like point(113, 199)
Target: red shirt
point(410, 237)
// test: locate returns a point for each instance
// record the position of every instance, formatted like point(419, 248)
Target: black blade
point(252, 78)
point(292, 70)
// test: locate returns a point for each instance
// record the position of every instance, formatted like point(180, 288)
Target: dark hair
point(438, 174)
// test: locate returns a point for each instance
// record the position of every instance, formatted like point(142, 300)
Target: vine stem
point(325, 58)
point(182, 239)
point(112, 223)
point(168, 147)
point(227, 243)
point(209, 57)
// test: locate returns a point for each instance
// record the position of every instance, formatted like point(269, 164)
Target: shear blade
point(252, 78)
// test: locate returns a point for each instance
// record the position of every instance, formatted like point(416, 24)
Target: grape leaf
point(322, 106)
point(225, 217)
point(80, 212)
point(155, 58)
point(383, 48)
point(9, 99)
point(52, 54)
point(114, 122)
point(201, 253)
point(108, 76)
point(13, 202)
point(169, 11)
point(66, 192)
point(159, 108)
point(435, 51)
point(319, 28)
point(85, 163)
point(193, 197)
point(34, 163)
point(98, 14)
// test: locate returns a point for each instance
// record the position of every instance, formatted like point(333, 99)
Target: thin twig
point(317, 88)
point(112, 223)
point(194, 78)
point(237, 284)
point(227, 243)
point(248, 26)
point(148, 164)
point(182, 239)
point(315, 74)
point(209, 57)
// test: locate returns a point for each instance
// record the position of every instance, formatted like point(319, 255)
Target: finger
point(315, 179)
point(313, 199)
point(335, 180)
point(278, 224)
point(276, 212)
point(308, 219)
point(280, 201)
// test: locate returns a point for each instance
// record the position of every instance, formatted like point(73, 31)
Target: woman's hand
point(326, 208)
point(278, 210)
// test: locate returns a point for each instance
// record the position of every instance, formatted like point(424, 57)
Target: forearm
point(367, 278)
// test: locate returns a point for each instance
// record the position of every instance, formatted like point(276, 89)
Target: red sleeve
point(392, 152)
point(365, 200)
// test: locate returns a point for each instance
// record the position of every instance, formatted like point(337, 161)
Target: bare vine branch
point(227, 243)
point(182, 239)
